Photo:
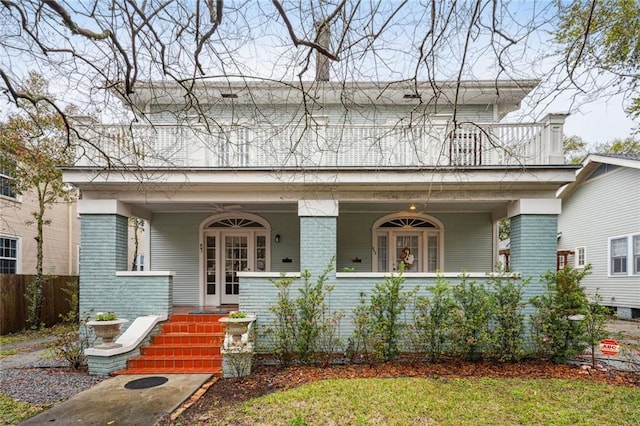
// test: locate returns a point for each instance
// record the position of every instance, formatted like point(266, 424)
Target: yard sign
point(609, 347)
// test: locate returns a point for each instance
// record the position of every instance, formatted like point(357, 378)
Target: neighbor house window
point(636, 254)
point(6, 177)
point(618, 256)
point(8, 255)
point(581, 257)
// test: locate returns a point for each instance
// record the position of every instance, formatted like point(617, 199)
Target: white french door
point(408, 250)
point(418, 250)
point(226, 253)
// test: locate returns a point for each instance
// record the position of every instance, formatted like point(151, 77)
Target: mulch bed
point(266, 379)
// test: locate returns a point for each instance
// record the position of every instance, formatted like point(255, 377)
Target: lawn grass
point(12, 411)
point(404, 401)
point(35, 334)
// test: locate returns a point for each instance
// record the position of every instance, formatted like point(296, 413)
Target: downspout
point(69, 237)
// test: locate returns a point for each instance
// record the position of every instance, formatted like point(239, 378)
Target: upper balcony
point(322, 145)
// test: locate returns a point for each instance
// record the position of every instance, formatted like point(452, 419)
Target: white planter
point(236, 327)
point(107, 331)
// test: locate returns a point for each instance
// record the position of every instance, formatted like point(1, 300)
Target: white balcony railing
point(319, 146)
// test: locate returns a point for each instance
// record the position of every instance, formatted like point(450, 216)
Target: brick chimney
point(324, 40)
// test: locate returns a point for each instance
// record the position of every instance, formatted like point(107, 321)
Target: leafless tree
point(101, 53)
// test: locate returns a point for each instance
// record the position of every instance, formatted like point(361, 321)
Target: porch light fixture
point(412, 207)
point(277, 238)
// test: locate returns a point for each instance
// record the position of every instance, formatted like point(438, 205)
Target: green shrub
point(433, 320)
point(507, 331)
point(284, 330)
point(379, 325)
point(555, 334)
point(474, 309)
point(595, 320)
point(310, 305)
point(305, 328)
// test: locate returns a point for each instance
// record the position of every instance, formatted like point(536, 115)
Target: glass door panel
point(210, 271)
point(383, 261)
point(432, 253)
point(407, 251)
point(261, 253)
point(236, 252)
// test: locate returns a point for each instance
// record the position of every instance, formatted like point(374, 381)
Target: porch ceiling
point(422, 206)
point(383, 190)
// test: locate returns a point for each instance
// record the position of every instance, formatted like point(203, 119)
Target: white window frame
point(635, 254)
point(424, 234)
point(560, 262)
point(631, 255)
point(581, 257)
point(5, 177)
point(18, 247)
point(219, 233)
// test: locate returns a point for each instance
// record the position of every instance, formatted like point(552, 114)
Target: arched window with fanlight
point(413, 240)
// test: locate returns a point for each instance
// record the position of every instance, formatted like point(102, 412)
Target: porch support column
point(318, 235)
point(103, 251)
point(534, 229)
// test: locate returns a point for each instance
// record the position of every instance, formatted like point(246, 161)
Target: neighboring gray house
point(600, 225)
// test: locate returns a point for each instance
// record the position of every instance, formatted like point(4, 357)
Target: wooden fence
point(14, 305)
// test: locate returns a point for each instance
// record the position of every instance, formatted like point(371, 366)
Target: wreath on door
point(407, 258)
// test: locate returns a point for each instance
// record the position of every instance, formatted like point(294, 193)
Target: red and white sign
point(609, 347)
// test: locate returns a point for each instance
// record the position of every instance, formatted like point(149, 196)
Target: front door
point(231, 243)
point(407, 251)
point(236, 259)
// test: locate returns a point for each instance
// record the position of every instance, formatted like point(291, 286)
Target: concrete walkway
point(111, 403)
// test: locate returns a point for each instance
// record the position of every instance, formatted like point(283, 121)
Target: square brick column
point(318, 234)
point(534, 243)
point(103, 251)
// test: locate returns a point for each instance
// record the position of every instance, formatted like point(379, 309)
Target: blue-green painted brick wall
point(259, 294)
point(318, 239)
point(533, 249)
point(103, 253)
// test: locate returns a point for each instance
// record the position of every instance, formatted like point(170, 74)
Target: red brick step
point(187, 344)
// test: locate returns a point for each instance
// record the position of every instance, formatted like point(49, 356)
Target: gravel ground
point(31, 377)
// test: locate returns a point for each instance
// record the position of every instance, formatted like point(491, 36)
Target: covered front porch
point(230, 260)
point(226, 244)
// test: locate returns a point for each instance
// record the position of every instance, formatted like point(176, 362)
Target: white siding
point(287, 225)
point(468, 240)
point(604, 206)
point(175, 247)
point(335, 114)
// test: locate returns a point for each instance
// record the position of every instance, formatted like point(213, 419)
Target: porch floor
point(188, 309)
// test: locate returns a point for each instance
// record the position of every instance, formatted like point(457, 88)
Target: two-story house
point(260, 179)
point(18, 235)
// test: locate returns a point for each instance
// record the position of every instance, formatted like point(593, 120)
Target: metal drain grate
point(146, 382)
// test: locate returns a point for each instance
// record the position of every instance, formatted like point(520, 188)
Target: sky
point(600, 122)
point(258, 44)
